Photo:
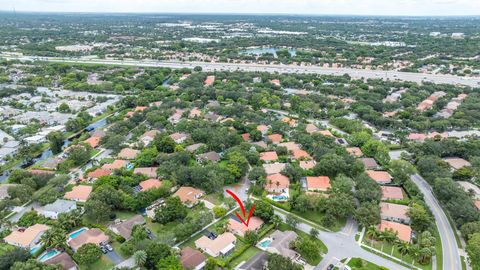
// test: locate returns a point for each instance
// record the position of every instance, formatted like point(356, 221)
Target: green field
point(360, 264)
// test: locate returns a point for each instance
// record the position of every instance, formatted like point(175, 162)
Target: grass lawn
point(438, 249)
point(159, 229)
point(360, 264)
point(5, 248)
point(116, 246)
point(249, 253)
point(103, 264)
point(124, 215)
point(215, 198)
point(323, 247)
point(317, 217)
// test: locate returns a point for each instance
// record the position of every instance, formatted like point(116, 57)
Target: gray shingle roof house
point(281, 244)
point(125, 228)
point(58, 207)
point(257, 262)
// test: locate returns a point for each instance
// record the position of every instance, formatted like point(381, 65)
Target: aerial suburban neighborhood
point(247, 142)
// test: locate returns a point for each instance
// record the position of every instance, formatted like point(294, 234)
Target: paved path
point(273, 68)
point(451, 255)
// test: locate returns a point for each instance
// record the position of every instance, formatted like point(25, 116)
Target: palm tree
point(372, 233)
point(55, 237)
point(403, 247)
point(414, 251)
point(140, 257)
point(425, 255)
point(276, 220)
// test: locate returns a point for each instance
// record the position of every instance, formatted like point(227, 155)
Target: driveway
point(451, 255)
point(114, 257)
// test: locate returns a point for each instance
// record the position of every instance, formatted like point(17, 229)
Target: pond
point(260, 51)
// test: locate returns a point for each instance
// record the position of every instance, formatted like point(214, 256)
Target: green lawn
point(360, 264)
point(249, 253)
point(323, 247)
point(124, 215)
point(103, 264)
point(317, 217)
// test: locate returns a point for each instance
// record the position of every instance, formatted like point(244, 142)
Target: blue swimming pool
point(279, 198)
point(265, 243)
point(76, 233)
point(48, 255)
point(34, 249)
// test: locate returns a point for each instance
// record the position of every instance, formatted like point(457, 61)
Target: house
point(93, 141)
point(404, 232)
point(391, 193)
point(290, 145)
point(209, 80)
point(64, 260)
point(275, 138)
point(246, 137)
point(115, 165)
point(270, 156)
point(189, 196)
point(477, 204)
point(299, 154)
point(125, 228)
point(52, 163)
point(263, 129)
point(275, 82)
point(213, 117)
point(178, 137)
point(354, 151)
point(192, 259)
point(457, 163)
point(148, 137)
point(260, 144)
point(311, 128)
point(26, 238)
point(128, 153)
point(257, 262)
point(274, 167)
point(99, 172)
point(195, 112)
point(369, 163)
point(316, 183)
point(381, 177)
point(148, 184)
point(238, 228)
point(194, 147)
point(419, 137)
point(277, 183)
point(4, 190)
point(223, 245)
point(209, 156)
point(394, 212)
point(326, 133)
point(58, 207)
point(93, 236)
point(470, 188)
point(79, 193)
point(150, 172)
point(307, 164)
point(281, 244)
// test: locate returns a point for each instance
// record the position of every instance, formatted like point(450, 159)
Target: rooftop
point(80, 193)
point(404, 232)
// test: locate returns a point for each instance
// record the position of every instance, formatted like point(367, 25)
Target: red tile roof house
point(326, 133)
point(192, 259)
point(93, 141)
point(93, 236)
point(140, 108)
point(394, 212)
point(246, 137)
point(477, 204)
point(238, 228)
point(311, 128)
point(381, 177)
point(290, 145)
point(28, 237)
point(128, 153)
point(299, 154)
point(150, 172)
point(189, 196)
point(97, 173)
point(404, 232)
point(369, 163)
point(223, 245)
point(317, 183)
point(115, 165)
point(263, 129)
point(149, 184)
point(391, 193)
point(79, 193)
point(195, 112)
point(307, 164)
point(179, 137)
point(269, 156)
point(457, 163)
point(275, 138)
point(354, 151)
point(277, 183)
point(274, 168)
point(209, 80)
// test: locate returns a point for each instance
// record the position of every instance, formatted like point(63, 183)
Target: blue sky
point(347, 7)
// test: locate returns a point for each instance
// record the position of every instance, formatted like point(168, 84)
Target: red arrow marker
point(242, 208)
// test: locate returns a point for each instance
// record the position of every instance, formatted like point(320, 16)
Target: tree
point(7, 259)
point(314, 233)
point(251, 237)
point(87, 254)
point(164, 144)
point(263, 210)
point(292, 221)
point(359, 138)
point(97, 211)
point(197, 69)
point(469, 229)
point(172, 210)
point(54, 237)
point(219, 211)
point(473, 250)
point(170, 263)
point(278, 262)
point(156, 252)
point(367, 214)
point(276, 220)
point(64, 108)
point(421, 219)
point(401, 170)
point(140, 257)
point(307, 248)
point(33, 264)
point(56, 141)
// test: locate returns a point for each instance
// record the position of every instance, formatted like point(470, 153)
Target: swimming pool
point(34, 249)
point(279, 198)
point(76, 233)
point(265, 243)
point(48, 255)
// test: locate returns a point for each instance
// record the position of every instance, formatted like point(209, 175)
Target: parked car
point(108, 247)
point(103, 249)
point(330, 267)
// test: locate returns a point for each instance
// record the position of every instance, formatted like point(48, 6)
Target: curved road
point(451, 255)
point(208, 66)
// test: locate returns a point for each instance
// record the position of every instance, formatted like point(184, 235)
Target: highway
point(451, 255)
point(208, 66)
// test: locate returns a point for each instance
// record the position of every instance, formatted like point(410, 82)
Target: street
point(280, 68)
point(451, 255)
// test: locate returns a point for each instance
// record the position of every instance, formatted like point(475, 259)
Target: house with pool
point(279, 243)
point(54, 256)
point(223, 245)
point(84, 236)
point(28, 238)
point(277, 186)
